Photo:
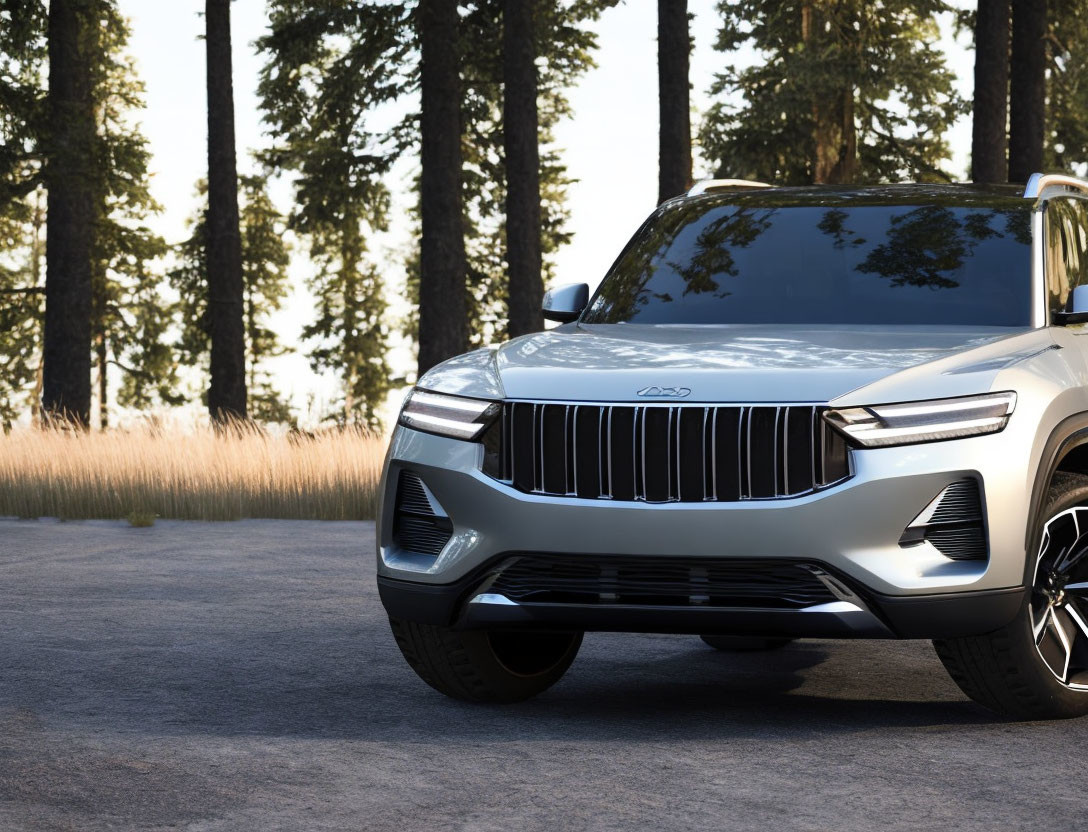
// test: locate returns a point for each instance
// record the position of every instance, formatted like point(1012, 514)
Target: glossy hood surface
point(738, 363)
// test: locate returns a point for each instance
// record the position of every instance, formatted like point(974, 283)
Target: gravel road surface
point(241, 676)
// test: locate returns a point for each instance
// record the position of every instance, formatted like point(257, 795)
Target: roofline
point(1037, 186)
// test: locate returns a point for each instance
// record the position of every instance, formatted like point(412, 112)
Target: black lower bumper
point(947, 615)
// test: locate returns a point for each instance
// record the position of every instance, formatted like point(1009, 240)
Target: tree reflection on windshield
point(939, 261)
point(712, 254)
point(927, 245)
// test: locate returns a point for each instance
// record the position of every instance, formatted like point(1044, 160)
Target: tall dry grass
point(192, 474)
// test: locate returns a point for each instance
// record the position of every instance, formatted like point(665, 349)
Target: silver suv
point(785, 413)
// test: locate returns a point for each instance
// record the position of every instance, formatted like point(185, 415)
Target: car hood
point(739, 363)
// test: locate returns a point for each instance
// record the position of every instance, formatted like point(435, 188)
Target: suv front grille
point(665, 453)
point(661, 581)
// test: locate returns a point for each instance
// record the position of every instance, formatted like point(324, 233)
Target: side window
point(1066, 250)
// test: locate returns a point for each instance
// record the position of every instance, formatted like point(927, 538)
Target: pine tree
point(22, 306)
point(327, 69)
point(522, 156)
point(989, 142)
point(442, 331)
point(265, 258)
point(74, 27)
point(566, 45)
point(848, 91)
point(129, 319)
point(126, 317)
point(1067, 96)
point(1027, 88)
point(23, 48)
point(227, 390)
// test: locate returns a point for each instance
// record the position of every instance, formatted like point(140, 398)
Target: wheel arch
point(1065, 450)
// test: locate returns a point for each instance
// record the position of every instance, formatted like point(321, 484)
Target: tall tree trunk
point(69, 173)
point(521, 145)
point(1027, 89)
point(674, 99)
point(443, 330)
point(227, 391)
point(834, 132)
point(989, 142)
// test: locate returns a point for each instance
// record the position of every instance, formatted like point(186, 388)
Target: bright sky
point(610, 144)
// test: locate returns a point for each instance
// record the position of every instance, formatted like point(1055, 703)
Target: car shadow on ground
point(688, 694)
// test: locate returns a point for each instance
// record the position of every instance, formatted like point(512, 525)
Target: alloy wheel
point(1059, 600)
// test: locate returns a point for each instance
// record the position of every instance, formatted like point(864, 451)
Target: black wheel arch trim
point(1070, 433)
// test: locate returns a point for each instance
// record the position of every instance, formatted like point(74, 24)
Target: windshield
point(694, 263)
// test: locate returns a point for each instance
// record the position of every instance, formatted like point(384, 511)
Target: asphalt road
point(240, 676)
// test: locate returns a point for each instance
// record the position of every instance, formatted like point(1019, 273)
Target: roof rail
point(721, 184)
point(1039, 182)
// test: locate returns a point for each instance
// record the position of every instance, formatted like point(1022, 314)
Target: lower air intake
point(419, 523)
point(954, 526)
point(660, 582)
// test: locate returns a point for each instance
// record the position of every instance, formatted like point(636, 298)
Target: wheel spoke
point(1072, 611)
point(1068, 561)
point(1066, 642)
point(1039, 628)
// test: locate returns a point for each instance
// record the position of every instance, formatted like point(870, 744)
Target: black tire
point(745, 643)
point(485, 666)
point(1006, 670)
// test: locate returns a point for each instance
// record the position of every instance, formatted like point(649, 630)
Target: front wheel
point(485, 666)
point(1037, 666)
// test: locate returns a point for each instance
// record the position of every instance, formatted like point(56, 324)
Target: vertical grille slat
point(662, 453)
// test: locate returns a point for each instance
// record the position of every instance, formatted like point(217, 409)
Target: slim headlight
point(458, 417)
point(883, 425)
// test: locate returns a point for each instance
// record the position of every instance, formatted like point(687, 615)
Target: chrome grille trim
point(674, 453)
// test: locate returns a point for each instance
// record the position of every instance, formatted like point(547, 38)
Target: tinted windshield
point(878, 264)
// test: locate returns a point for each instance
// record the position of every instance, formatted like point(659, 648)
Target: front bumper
point(947, 615)
point(854, 528)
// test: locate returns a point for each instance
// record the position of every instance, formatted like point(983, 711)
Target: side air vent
point(419, 523)
point(952, 523)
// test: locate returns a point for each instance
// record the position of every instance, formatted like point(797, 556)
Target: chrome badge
point(664, 392)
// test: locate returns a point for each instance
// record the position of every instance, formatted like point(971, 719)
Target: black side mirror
point(565, 303)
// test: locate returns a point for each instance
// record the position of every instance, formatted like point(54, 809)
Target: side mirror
point(565, 303)
point(1078, 309)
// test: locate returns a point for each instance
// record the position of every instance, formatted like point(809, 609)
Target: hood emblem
point(664, 392)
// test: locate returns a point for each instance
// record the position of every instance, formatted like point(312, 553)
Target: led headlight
point(882, 425)
point(454, 416)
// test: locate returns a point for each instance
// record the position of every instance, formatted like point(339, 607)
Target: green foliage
point(265, 258)
point(141, 519)
point(338, 78)
point(129, 319)
point(22, 304)
point(1067, 104)
point(22, 203)
point(330, 68)
point(565, 52)
point(877, 59)
point(23, 51)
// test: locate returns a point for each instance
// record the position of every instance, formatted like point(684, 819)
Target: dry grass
point(192, 474)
